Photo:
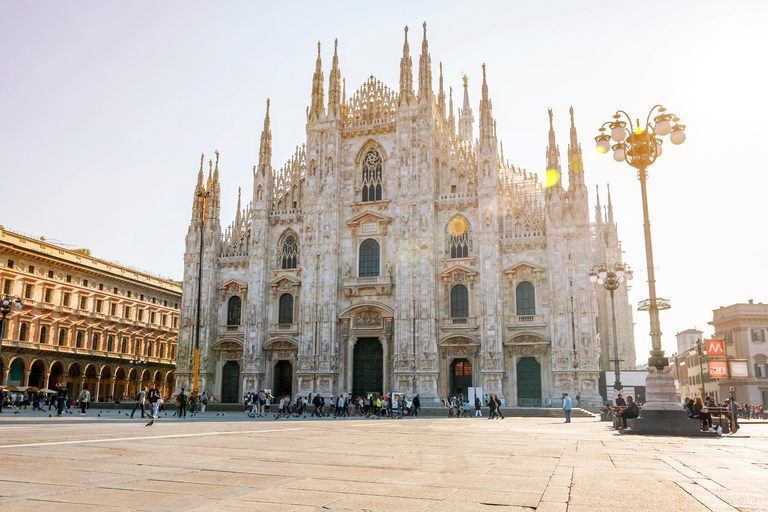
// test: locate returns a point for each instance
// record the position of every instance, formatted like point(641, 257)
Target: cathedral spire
point(199, 190)
point(451, 118)
point(425, 70)
point(553, 156)
point(441, 95)
point(610, 208)
point(265, 148)
point(237, 212)
point(466, 120)
point(406, 73)
point(575, 162)
point(598, 213)
point(317, 109)
point(487, 124)
point(334, 85)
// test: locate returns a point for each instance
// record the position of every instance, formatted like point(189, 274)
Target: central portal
point(368, 367)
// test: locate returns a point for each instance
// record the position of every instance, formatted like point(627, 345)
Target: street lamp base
point(658, 362)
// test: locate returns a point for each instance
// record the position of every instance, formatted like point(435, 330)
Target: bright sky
point(105, 108)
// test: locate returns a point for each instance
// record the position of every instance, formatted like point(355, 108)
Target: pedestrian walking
point(181, 400)
point(578, 399)
point(84, 398)
point(478, 405)
point(416, 405)
point(567, 407)
point(153, 396)
point(140, 400)
point(491, 408)
point(498, 407)
point(203, 401)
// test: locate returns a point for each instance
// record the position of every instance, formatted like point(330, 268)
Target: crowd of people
point(262, 403)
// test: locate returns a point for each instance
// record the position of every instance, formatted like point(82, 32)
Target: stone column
point(46, 379)
point(4, 378)
point(112, 381)
point(95, 393)
point(513, 382)
point(79, 388)
point(25, 376)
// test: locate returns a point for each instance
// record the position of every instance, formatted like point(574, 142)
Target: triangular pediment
point(461, 340)
point(458, 269)
point(370, 216)
point(233, 284)
point(524, 266)
point(285, 279)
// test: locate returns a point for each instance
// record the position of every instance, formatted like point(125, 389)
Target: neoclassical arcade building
point(85, 322)
point(396, 251)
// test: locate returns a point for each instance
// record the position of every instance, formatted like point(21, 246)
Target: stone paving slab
point(426, 464)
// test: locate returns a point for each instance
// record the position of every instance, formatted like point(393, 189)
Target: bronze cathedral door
point(230, 382)
point(368, 367)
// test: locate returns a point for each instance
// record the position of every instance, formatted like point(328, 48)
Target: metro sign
point(718, 369)
point(716, 348)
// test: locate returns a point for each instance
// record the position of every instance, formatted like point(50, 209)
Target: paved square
point(231, 463)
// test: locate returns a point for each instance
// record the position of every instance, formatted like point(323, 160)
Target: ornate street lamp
point(611, 278)
point(640, 147)
point(6, 304)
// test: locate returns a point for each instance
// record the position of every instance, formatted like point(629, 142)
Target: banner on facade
point(739, 368)
point(718, 369)
point(716, 348)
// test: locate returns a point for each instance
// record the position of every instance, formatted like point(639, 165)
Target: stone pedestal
point(660, 392)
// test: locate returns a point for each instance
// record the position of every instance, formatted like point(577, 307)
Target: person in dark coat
point(620, 402)
point(492, 407)
point(495, 398)
point(416, 405)
point(630, 411)
point(182, 400)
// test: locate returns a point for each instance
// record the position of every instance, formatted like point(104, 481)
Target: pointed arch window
point(459, 239)
point(369, 258)
point(289, 253)
point(233, 310)
point(23, 332)
point(525, 299)
point(372, 188)
point(459, 301)
point(285, 315)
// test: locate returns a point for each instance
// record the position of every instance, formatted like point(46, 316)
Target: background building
point(686, 339)
point(744, 328)
point(396, 251)
point(85, 321)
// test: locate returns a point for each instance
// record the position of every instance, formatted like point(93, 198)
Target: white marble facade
point(399, 235)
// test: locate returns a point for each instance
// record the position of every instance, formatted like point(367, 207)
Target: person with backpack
point(478, 405)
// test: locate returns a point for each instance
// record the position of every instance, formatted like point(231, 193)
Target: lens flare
point(553, 177)
point(457, 227)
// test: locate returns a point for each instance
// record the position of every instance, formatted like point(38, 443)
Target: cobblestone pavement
point(229, 463)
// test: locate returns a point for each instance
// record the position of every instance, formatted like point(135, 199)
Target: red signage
point(716, 348)
point(718, 369)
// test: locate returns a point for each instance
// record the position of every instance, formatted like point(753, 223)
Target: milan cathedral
point(394, 251)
